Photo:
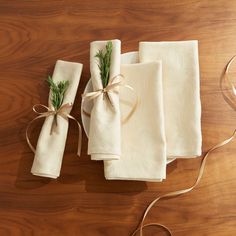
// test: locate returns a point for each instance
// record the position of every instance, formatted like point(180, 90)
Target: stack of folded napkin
point(166, 124)
point(143, 155)
point(181, 94)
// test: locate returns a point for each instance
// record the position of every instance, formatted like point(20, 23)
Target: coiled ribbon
point(113, 84)
point(62, 111)
point(232, 101)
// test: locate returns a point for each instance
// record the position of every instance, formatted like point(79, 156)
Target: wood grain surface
point(33, 35)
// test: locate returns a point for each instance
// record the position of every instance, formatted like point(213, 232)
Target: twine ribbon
point(62, 111)
point(113, 84)
point(201, 169)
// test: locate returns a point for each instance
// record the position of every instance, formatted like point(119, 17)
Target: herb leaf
point(57, 91)
point(105, 63)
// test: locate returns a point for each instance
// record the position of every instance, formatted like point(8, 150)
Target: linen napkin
point(50, 147)
point(143, 135)
point(181, 91)
point(104, 133)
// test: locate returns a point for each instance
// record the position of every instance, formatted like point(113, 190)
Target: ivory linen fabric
point(104, 134)
point(50, 147)
point(181, 92)
point(143, 135)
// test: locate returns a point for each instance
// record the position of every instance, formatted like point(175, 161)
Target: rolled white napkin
point(181, 91)
point(104, 133)
point(50, 147)
point(143, 135)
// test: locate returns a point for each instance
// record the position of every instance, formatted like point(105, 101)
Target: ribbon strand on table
point(201, 169)
point(52, 112)
point(116, 81)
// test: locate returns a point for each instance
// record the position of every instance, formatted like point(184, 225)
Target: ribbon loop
point(36, 106)
point(62, 111)
point(111, 85)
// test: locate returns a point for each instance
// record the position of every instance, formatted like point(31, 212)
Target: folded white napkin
point(181, 91)
point(50, 147)
point(143, 135)
point(104, 133)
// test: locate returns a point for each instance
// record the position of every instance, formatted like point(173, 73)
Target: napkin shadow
point(25, 180)
point(90, 174)
point(124, 187)
point(171, 167)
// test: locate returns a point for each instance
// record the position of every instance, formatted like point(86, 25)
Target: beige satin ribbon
point(62, 111)
point(116, 81)
point(200, 173)
point(229, 94)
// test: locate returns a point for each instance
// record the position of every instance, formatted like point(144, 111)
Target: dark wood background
point(33, 35)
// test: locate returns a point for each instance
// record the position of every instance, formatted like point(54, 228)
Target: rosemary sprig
point(57, 92)
point(105, 63)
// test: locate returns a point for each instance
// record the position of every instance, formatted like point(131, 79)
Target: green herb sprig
point(105, 63)
point(57, 92)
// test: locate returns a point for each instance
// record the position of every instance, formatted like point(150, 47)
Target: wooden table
point(33, 35)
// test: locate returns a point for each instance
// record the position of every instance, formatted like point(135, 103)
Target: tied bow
point(113, 84)
point(62, 111)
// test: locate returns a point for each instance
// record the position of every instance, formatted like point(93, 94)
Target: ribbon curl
point(116, 81)
point(202, 166)
point(62, 111)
